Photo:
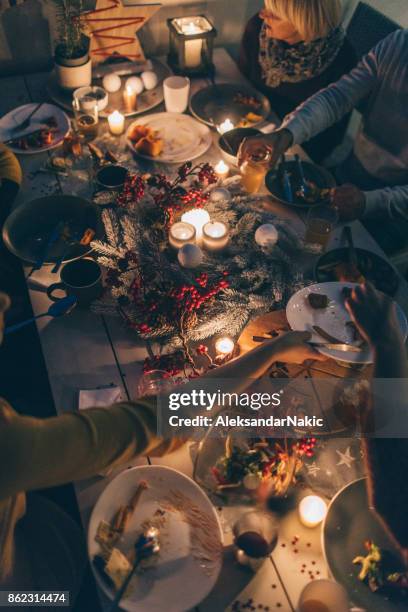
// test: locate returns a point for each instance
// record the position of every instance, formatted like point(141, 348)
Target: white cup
point(323, 596)
point(176, 92)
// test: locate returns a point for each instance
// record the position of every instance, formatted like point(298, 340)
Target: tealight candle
point(181, 233)
point(129, 98)
point(198, 217)
point(222, 170)
point(215, 235)
point(312, 510)
point(224, 346)
point(225, 126)
point(116, 123)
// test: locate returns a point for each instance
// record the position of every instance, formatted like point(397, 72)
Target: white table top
point(87, 351)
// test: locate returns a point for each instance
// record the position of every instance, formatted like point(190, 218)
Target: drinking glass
point(255, 537)
point(176, 91)
point(321, 221)
point(156, 382)
point(86, 117)
point(323, 596)
point(253, 170)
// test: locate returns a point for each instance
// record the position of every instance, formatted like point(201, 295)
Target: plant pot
point(73, 77)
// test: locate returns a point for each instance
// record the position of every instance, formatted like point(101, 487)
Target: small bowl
point(233, 138)
point(95, 94)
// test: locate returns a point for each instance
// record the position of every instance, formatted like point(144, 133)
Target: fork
point(26, 122)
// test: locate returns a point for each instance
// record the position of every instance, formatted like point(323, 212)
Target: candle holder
point(191, 45)
point(182, 233)
point(215, 236)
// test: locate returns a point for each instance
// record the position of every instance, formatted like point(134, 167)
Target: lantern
point(191, 45)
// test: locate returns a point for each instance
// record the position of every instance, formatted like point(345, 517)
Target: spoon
point(57, 309)
point(287, 185)
point(146, 546)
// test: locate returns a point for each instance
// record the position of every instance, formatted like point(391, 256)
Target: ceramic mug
point(81, 278)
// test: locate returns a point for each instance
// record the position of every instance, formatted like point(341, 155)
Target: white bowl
point(102, 102)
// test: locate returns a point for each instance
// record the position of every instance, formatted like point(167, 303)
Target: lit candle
point(181, 233)
point(129, 98)
point(215, 235)
point(198, 217)
point(224, 346)
point(222, 170)
point(312, 510)
point(194, 47)
point(225, 126)
point(116, 123)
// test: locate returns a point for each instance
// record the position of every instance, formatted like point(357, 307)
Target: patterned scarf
point(281, 62)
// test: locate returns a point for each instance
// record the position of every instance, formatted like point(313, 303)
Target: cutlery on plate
point(341, 346)
point(324, 334)
point(57, 309)
point(287, 185)
point(26, 122)
point(55, 234)
point(81, 237)
point(146, 546)
point(304, 186)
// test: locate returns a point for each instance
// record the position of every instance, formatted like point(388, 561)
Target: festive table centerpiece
point(214, 286)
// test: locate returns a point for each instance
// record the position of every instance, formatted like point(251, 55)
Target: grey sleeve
point(391, 201)
point(329, 105)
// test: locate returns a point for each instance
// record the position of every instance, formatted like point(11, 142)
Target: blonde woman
point(291, 50)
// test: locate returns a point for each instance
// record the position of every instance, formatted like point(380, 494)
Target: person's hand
point(294, 347)
point(277, 143)
point(374, 315)
point(4, 306)
point(349, 201)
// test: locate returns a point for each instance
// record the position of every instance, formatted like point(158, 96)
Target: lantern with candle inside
point(225, 126)
point(215, 236)
point(191, 45)
point(116, 123)
point(312, 510)
point(197, 217)
point(129, 99)
point(182, 233)
point(222, 170)
point(224, 347)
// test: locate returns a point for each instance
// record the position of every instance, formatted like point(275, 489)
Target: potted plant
point(72, 62)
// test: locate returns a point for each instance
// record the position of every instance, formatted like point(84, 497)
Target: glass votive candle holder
point(86, 117)
point(181, 233)
point(215, 236)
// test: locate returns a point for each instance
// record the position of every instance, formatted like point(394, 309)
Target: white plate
point(184, 138)
point(301, 317)
point(18, 115)
point(177, 582)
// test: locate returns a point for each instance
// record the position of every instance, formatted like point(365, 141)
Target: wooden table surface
point(85, 351)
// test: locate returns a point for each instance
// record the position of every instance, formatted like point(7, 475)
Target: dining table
point(88, 351)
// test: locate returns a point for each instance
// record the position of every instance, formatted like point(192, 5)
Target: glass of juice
point(254, 169)
point(321, 221)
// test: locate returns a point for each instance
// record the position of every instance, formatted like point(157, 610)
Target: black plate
point(320, 176)
point(349, 523)
point(216, 103)
point(30, 225)
point(373, 267)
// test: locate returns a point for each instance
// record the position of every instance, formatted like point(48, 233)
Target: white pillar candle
point(194, 47)
point(215, 235)
point(312, 510)
point(222, 170)
point(225, 126)
point(198, 217)
point(129, 98)
point(116, 123)
point(224, 346)
point(181, 233)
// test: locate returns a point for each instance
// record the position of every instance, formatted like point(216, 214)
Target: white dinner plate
point(301, 317)
point(183, 573)
point(184, 138)
point(16, 116)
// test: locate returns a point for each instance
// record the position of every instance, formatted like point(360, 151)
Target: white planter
point(72, 77)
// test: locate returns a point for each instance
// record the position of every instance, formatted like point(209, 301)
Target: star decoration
point(112, 26)
point(313, 468)
point(345, 458)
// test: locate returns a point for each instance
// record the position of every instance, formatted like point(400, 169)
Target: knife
point(324, 334)
point(345, 348)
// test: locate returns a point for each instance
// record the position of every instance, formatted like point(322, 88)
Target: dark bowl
point(373, 267)
point(318, 175)
point(28, 228)
point(230, 142)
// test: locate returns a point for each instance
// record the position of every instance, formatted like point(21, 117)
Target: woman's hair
point(312, 18)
